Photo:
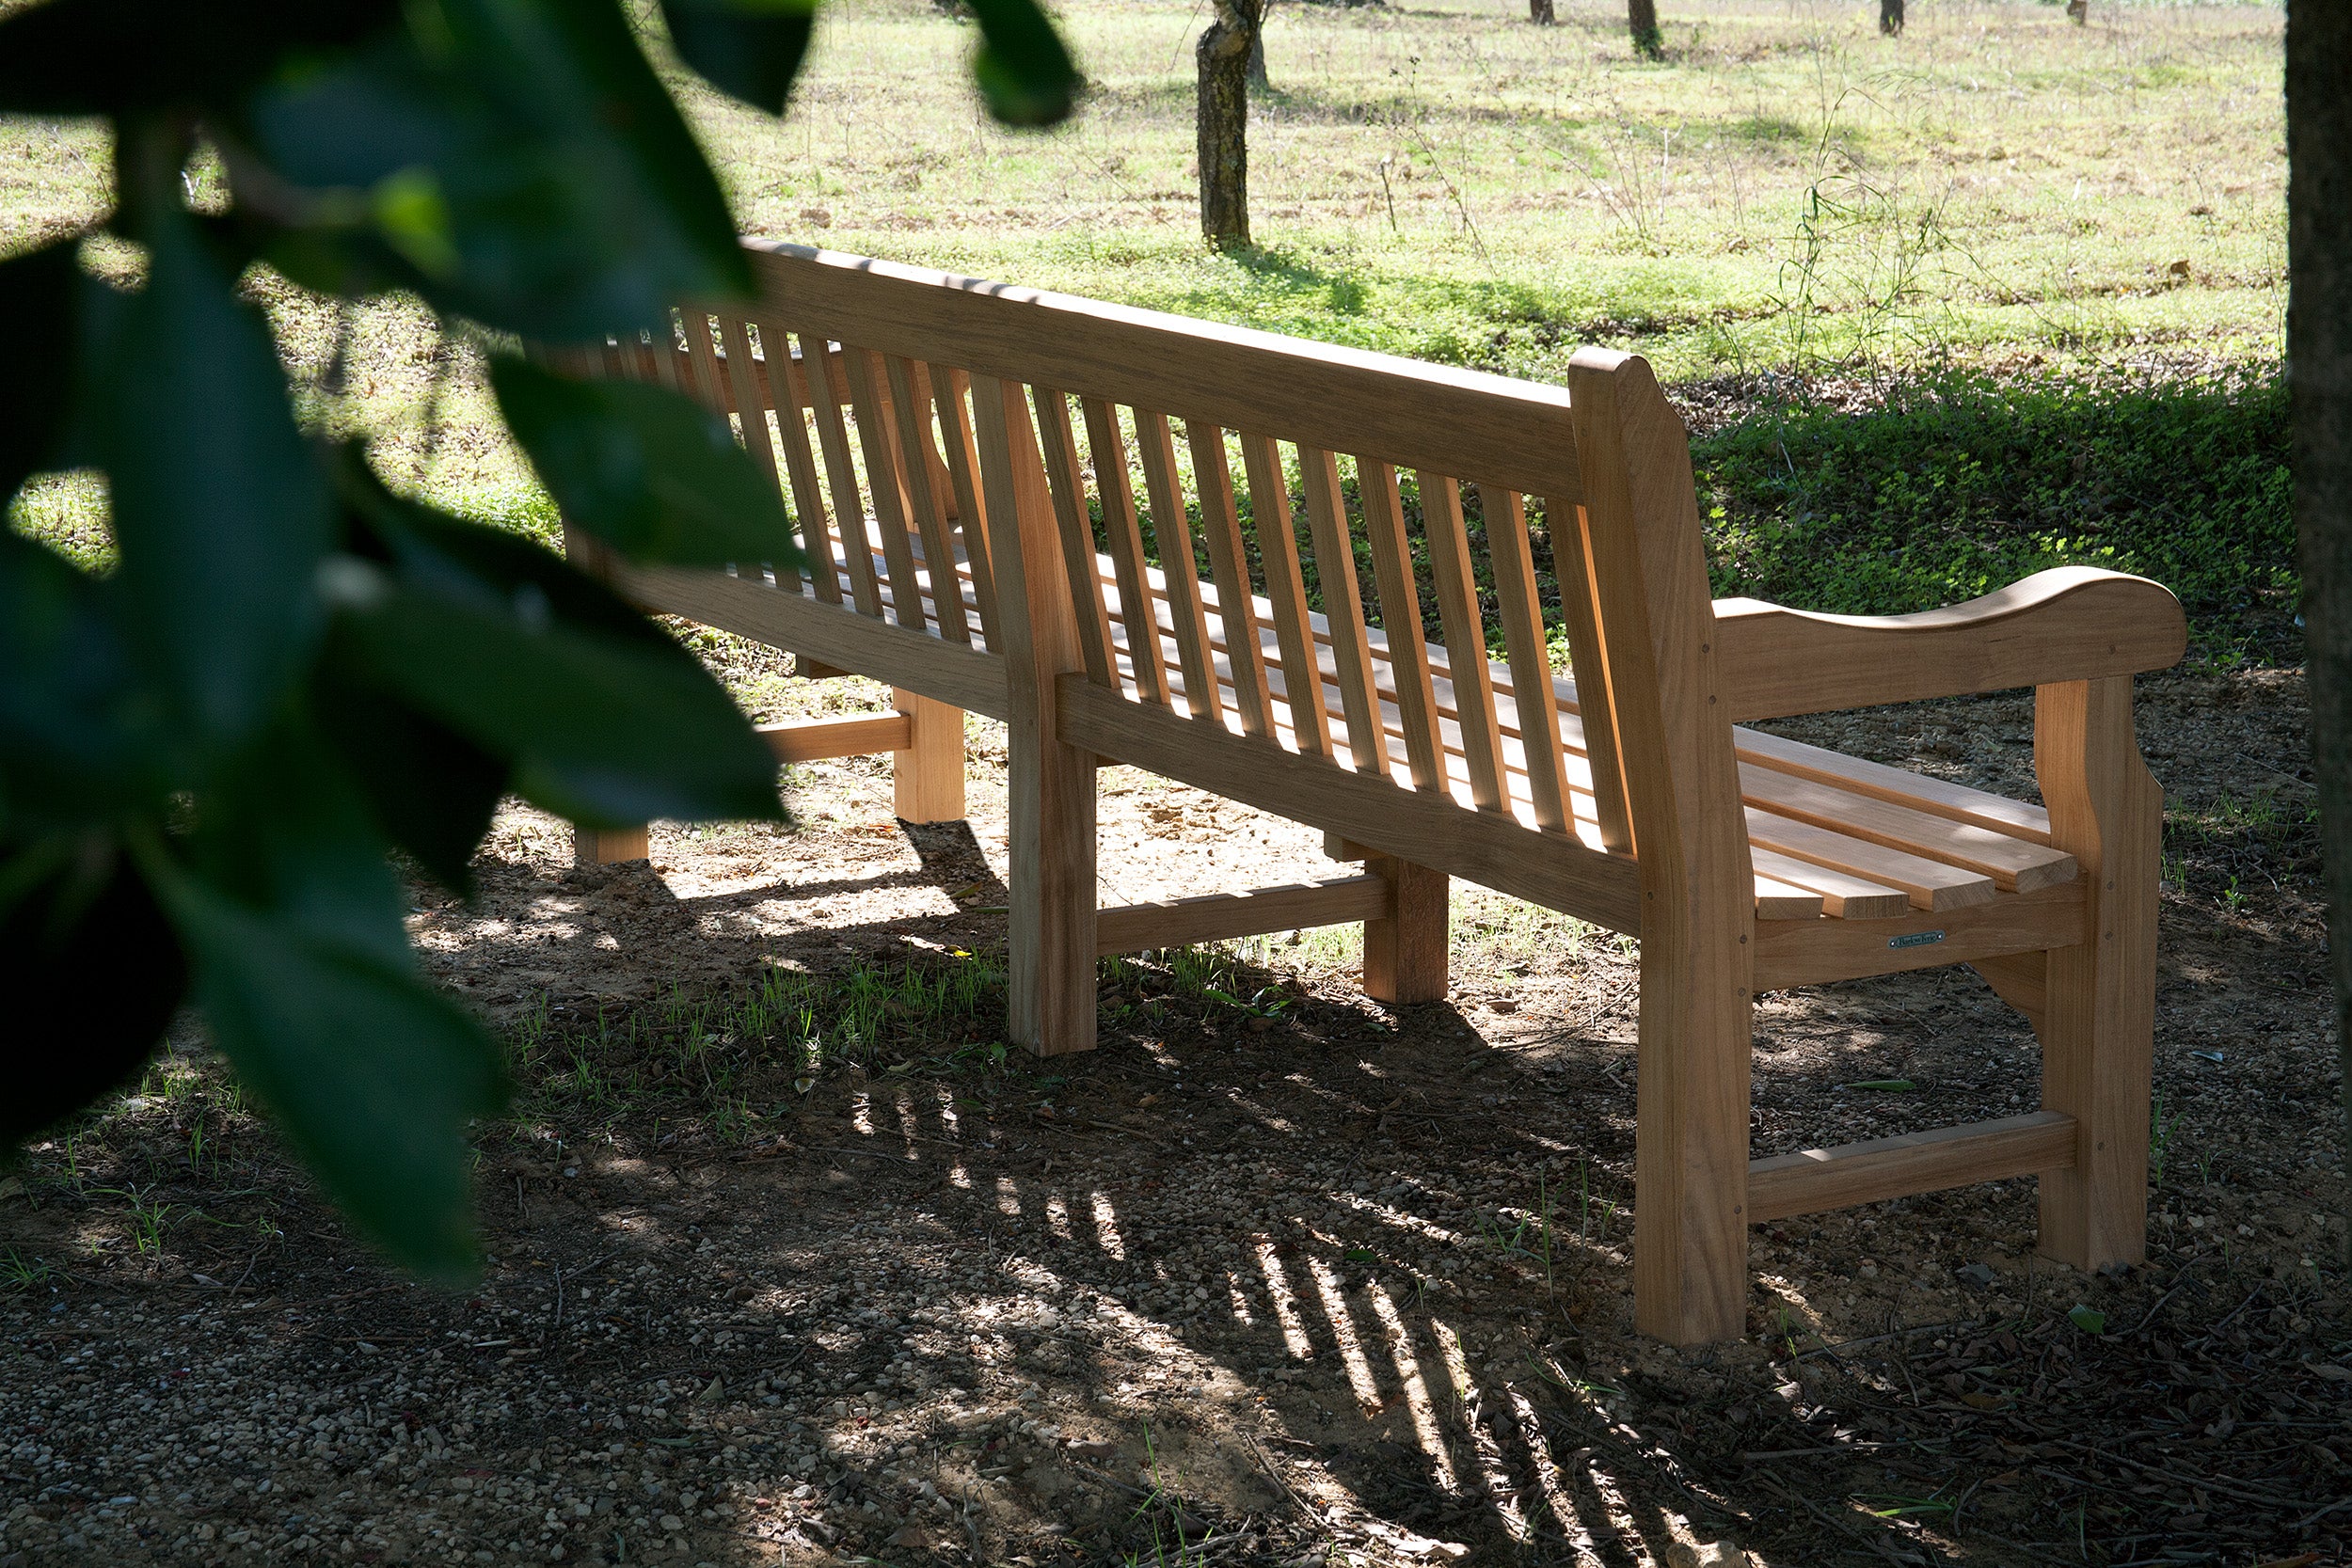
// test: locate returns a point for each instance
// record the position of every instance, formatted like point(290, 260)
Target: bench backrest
point(907, 425)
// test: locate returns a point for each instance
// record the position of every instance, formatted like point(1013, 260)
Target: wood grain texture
point(849, 504)
point(1049, 801)
point(1229, 569)
point(1919, 791)
point(1406, 655)
point(1456, 590)
point(1073, 531)
point(1171, 535)
point(1408, 948)
point(1485, 428)
point(1845, 896)
point(2014, 864)
point(833, 634)
point(1588, 651)
point(927, 771)
point(1839, 1178)
point(818, 739)
point(1815, 952)
point(1343, 609)
point(2071, 623)
point(1107, 444)
point(1649, 571)
point(609, 846)
point(885, 484)
point(2020, 979)
point(1929, 884)
point(758, 438)
point(951, 393)
point(2098, 1016)
point(1224, 916)
point(799, 462)
point(1285, 589)
point(1427, 828)
point(1521, 612)
point(911, 409)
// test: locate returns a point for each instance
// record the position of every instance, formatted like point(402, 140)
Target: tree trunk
point(2319, 383)
point(1258, 80)
point(2078, 12)
point(1641, 18)
point(1223, 122)
point(1539, 12)
point(1890, 17)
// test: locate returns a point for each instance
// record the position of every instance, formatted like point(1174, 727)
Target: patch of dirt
point(1276, 1276)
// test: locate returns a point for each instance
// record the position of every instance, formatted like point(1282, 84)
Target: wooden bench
point(970, 552)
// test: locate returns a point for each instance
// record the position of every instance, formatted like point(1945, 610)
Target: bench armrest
point(2070, 624)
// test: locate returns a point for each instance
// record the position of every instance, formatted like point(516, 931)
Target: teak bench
point(967, 553)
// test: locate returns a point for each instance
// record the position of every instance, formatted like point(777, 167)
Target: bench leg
point(1404, 953)
point(926, 777)
point(591, 846)
point(2098, 1017)
point(1050, 946)
point(1691, 1146)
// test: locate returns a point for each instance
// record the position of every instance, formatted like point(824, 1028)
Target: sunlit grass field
point(2020, 223)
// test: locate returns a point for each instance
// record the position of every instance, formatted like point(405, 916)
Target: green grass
point(2052, 256)
point(1963, 483)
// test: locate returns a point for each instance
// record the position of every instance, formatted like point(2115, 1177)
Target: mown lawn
point(1998, 294)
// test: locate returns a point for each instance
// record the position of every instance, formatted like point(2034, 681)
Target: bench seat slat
point(2014, 866)
point(1932, 884)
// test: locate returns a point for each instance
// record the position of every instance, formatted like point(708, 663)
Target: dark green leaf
point(643, 468)
point(80, 734)
point(516, 161)
point(749, 49)
point(220, 509)
point(605, 731)
point(373, 1073)
point(1023, 70)
point(432, 790)
point(36, 292)
point(92, 974)
point(111, 57)
point(284, 828)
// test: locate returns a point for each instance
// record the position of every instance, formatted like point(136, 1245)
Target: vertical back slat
point(1571, 551)
point(849, 507)
point(1343, 609)
point(1228, 568)
point(1465, 637)
point(1109, 448)
point(911, 402)
point(885, 485)
point(1522, 615)
point(1061, 445)
point(663, 344)
point(1278, 546)
point(1172, 533)
point(753, 411)
point(1400, 619)
point(950, 390)
point(703, 364)
point(800, 463)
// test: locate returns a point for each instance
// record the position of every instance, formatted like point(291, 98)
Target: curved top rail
point(1485, 429)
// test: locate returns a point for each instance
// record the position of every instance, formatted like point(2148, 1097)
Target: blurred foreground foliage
point(208, 753)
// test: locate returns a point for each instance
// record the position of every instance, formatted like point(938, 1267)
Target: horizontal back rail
point(1485, 429)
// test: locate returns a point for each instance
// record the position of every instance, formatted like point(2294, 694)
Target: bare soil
point(1276, 1276)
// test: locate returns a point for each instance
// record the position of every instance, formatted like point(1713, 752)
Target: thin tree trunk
point(1539, 12)
point(2319, 383)
point(1258, 81)
point(1890, 17)
point(1641, 18)
point(1223, 122)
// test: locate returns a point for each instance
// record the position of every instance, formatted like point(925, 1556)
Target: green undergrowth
point(1957, 485)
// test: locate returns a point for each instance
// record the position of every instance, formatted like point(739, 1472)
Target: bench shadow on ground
point(1343, 1298)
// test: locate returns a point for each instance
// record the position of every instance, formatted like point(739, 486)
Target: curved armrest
point(2070, 624)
